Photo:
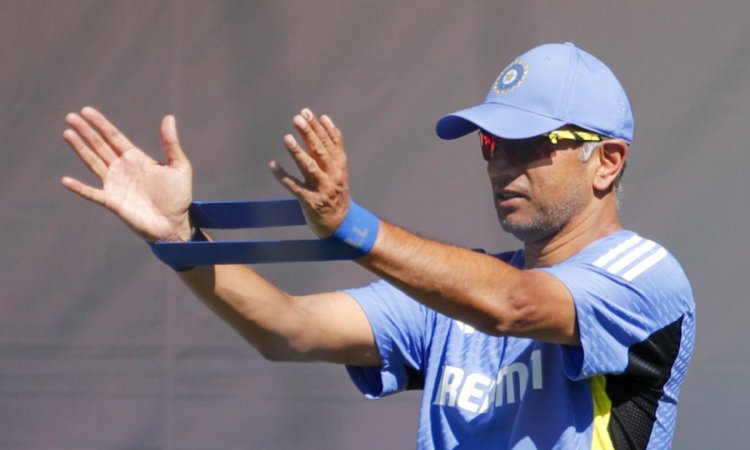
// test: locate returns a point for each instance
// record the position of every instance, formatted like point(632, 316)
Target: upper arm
point(542, 307)
point(619, 306)
point(336, 330)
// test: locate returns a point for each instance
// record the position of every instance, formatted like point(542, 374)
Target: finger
point(84, 190)
point(334, 133)
point(303, 123)
point(306, 164)
point(171, 144)
point(91, 137)
point(115, 139)
point(336, 137)
point(292, 184)
point(90, 159)
point(320, 152)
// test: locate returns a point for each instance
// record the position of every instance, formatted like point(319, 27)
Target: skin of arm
point(327, 327)
point(475, 288)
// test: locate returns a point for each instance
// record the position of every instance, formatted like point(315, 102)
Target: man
point(580, 340)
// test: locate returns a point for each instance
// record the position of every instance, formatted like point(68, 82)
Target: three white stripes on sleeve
point(637, 255)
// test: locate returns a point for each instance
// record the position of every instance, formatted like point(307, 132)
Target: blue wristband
point(358, 230)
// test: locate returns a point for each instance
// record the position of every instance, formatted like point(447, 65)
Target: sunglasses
point(525, 151)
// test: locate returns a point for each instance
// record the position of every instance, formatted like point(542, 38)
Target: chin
point(527, 232)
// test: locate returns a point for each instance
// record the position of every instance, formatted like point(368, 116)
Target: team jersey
point(618, 390)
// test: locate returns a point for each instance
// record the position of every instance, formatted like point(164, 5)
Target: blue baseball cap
point(544, 89)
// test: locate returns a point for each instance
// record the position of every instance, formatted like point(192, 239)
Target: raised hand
point(151, 198)
point(324, 190)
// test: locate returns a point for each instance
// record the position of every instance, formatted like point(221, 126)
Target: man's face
point(538, 194)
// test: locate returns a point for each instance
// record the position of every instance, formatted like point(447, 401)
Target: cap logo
point(510, 78)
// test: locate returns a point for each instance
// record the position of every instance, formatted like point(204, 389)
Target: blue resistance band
point(354, 238)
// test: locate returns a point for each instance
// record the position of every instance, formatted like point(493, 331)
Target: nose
point(500, 166)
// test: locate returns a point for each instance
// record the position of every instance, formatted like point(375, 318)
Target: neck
point(582, 230)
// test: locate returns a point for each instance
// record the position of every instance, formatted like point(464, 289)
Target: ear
point(611, 161)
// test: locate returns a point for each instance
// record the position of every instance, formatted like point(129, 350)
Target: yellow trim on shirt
point(600, 439)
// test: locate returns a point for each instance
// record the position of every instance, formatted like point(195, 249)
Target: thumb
point(171, 143)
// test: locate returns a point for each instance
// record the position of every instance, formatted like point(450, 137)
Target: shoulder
point(625, 265)
point(629, 257)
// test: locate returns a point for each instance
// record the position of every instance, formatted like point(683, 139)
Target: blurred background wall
point(101, 347)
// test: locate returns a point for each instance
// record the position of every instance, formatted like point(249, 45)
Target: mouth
point(507, 198)
point(507, 194)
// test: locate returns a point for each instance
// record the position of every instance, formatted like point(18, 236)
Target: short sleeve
point(621, 301)
point(398, 324)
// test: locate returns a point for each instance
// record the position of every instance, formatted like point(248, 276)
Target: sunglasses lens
point(488, 145)
point(525, 151)
point(518, 152)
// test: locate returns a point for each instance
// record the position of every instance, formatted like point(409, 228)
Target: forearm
point(264, 315)
point(469, 286)
point(473, 287)
point(328, 326)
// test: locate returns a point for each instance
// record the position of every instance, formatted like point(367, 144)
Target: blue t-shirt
point(618, 390)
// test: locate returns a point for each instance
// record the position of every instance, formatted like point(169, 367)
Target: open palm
point(150, 197)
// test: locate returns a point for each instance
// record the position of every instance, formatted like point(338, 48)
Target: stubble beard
point(547, 221)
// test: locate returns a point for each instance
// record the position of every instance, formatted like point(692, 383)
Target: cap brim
point(495, 118)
